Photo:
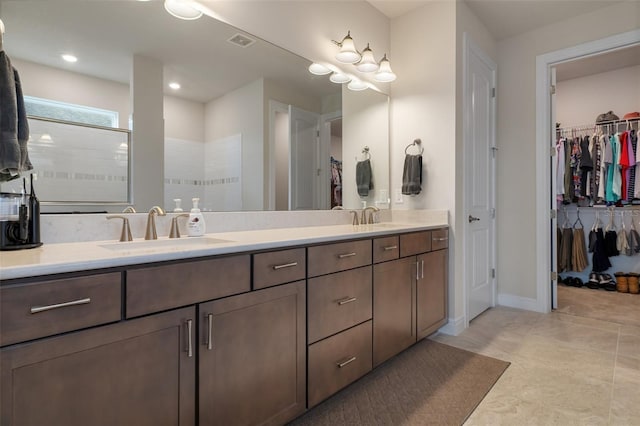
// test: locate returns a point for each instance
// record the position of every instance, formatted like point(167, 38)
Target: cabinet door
point(431, 291)
point(138, 372)
point(394, 308)
point(252, 357)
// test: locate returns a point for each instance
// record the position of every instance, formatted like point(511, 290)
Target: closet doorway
point(583, 60)
point(586, 89)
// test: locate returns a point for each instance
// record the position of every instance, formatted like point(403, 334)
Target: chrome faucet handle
point(151, 233)
point(125, 234)
point(355, 217)
point(129, 209)
point(175, 232)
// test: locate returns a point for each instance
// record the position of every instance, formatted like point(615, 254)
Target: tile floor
point(565, 369)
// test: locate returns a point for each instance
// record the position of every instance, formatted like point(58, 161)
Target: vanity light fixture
point(318, 69)
point(183, 9)
point(384, 74)
point(339, 78)
point(174, 85)
point(368, 62)
point(357, 85)
point(348, 53)
point(69, 58)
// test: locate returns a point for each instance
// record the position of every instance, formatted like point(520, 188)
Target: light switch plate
point(399, 199)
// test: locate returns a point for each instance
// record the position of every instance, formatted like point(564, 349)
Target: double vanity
point(246, 328)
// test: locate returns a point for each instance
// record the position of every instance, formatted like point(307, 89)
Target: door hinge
point(493, 272)
point(552, 89)
point(554, 214)
point(554, 275)
point(493, 92)
point(493, 213)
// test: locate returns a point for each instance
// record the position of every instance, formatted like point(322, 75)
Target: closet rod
point(593, 125)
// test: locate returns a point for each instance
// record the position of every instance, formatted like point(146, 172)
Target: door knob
point(473, 219)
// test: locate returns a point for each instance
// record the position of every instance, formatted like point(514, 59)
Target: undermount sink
point(165, 244)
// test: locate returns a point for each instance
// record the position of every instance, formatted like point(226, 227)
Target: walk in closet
point(596, 182)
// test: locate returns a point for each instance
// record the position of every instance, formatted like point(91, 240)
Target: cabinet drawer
point(415, 243)
point(338, 301)
point(387, 248)
point(330, 258)
point(159, 288)
point(30, 311)
point(278, 267)
point(337, 361)
point(439, 239)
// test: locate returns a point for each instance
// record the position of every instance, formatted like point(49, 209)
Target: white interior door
point(480, 157)
point(304, 167)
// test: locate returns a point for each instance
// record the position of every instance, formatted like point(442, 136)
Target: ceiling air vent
point(241, 40)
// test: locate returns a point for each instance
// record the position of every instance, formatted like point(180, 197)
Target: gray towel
point(412, 175)
point(14, 127)
point(364, 177)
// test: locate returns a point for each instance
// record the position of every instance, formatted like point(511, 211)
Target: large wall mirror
point(249, 128)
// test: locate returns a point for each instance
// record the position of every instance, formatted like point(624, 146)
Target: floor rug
point(429, 384)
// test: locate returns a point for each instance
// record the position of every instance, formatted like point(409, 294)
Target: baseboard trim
point(454, 327)
point(518, 302)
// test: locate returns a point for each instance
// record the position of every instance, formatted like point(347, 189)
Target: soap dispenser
point(195, 225)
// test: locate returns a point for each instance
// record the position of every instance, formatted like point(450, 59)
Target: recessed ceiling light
point(174, 85)
point(69, 58)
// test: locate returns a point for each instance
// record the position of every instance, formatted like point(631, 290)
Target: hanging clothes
point(579, 260)
point(600, 261)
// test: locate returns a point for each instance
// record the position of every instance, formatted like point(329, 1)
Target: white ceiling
point(105, 38)
point(506, 18)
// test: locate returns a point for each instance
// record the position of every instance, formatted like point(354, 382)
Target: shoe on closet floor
point(594, 281)
point(607, 283)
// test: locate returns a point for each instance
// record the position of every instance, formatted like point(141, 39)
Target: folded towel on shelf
point(412, 175)
point(14, 127)
point(364, 178)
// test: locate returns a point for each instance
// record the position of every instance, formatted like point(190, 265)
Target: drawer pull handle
point(441, 239)
point(36, 309)
point(342, 256)
point(347, 300)
point(209, 331)
point(389, 248)
point(348, 361)
point(286, 265)
point(189, 340)
point(422, 268)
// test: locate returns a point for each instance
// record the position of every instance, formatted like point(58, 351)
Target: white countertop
point(71, 257)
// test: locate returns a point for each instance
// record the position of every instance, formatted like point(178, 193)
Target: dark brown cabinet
point(431, 292)
point(252, 357)
point(409, 294)
point(394, 308)
point(139, 372)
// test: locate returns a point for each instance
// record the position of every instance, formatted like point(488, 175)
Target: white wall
point(240, 112)
point(517, 133)
point(580, 100)
point(423, 44)
point(65, 86)
point(183, 119)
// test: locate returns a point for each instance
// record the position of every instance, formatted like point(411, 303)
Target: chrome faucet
point(363, 219)
point(151, 233)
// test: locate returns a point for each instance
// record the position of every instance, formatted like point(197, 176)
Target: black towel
point(412, 175)
point(14, 128)
point(364, 178)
